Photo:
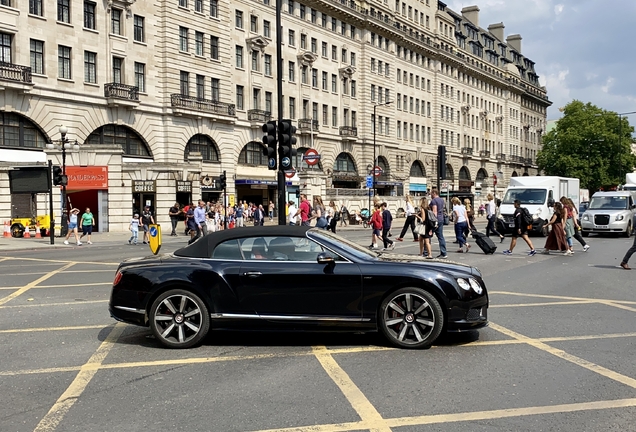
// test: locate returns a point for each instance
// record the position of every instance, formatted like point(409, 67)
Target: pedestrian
point(491, 216)
point(438, 208)
point(387, 221)
point(410, 220)
point(577, 227)
point(291, 213)
point(320, 213)
point(88, 222)
point(191, 225)
point(174, 218)
point(238, 216)
point(424, 218)
point(305, 211)
point(376, 225)
point(460, 219)
point(199, 219)
point(556, 239)
point(186, 209)
point(520, 230)
point(134, 229)
point(146, 220)
point(335, 215)
point(628, 255)
point(344, 215)
point(481, 210)
point(271, 210)
point(72, 226)
point(470, 218)
point(570, 227)
point(259, 216)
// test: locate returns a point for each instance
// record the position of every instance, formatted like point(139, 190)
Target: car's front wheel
point(411, 318)
point(628, 230)
point(179, 319)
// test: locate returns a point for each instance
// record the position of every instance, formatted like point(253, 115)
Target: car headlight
point(586, 217)
point(475, 286)
point(620, 217)
point(463, 284)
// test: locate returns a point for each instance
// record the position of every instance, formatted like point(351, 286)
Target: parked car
point(582, 209)
point(296, 278)
point(609, 212)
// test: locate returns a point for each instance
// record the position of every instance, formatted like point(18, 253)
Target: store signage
point(144, 186)
point(311, 157)
point(184, 186)
point(87, 177)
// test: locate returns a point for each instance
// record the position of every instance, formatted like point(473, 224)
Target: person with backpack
point(523, 219)
point(387, 221)
point(460, 218)
point(429, 221)
point(376, 225)
point(334, 216)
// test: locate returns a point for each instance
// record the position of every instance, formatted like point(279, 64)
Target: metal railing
point(484, 154)
point(181, 101)
point(501, 157)
point(121, 91)
point(13, 72)
point(308, 124)
point(467, 151)
point(348, 131)
point(259, 115)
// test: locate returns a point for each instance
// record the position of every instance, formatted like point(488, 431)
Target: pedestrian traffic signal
point(223, 181)
point(286, 142)
point(297, 193)
point(59, 179)
point(270, 141)
point(441, 161)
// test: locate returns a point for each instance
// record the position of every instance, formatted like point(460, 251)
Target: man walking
point(259, 216)
point(271, 210)
point(305, 210)
point(387, 221)
point(199, 219)
point(238, 216)
point(628, 255)
point(437, 207)
point(146, 220)
point(174, 218)
point(521, 230)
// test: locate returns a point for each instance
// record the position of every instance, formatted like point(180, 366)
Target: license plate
point(511, 225)
point(602, 226)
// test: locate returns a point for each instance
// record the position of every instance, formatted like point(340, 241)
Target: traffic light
point(286, 141)
point(441, 161)
point(59, 179)
point(223, 181)
point(270, 141)
point(297, 193)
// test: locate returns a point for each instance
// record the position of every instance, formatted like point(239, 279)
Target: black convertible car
point(295, 278)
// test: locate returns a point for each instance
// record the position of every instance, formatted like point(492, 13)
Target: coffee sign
point(184, 186)
point(144, 186)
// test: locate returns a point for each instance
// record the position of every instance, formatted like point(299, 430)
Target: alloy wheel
point(179, 319)
point(411, 318)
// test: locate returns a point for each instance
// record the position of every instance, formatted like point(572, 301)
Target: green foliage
point(591, 144)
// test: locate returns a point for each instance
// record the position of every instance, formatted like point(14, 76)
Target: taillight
point(117, 278)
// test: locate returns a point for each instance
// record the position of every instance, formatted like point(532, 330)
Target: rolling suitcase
point(484, 242)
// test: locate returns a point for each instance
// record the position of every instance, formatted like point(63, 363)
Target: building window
point(292, 38)
point(324, 20)
point(334, 83)
point(89, 15)
point(64, 11)
point(200, 87)
point(290, 7)
point(292, 107)
point(184, 83)
point(183, 3)
point(238, 19)
point(183, 39)
point(344, 55)
point(324, 49)
point(334, 52)
point(266, 29)
point(302, 12)
point(198, 5)
point(239, 56)
point(64, 61)
point(334, 116)
point(268, 102)
point(314, 45)
point(292, 72)
point(140, 76)
point(256, 98)
point(198, 43)
point(37, 56)
point(255, 60)
point(117, 67)
point(352, 57)
point(253, 24)
point(314, 78)
point(214, 8)
point(252, 154)
point(35, 7)
point(139, 35)
point(373, 92)
point(239, 97)
point(115, 21)
point(215, 86)
point(214, 47)
point(303, 72)
point(128, 140)
point(204, 145)
point(90, 67)
point(353, 88)
point(303, 41)
point(324, 81)
point(268, 65)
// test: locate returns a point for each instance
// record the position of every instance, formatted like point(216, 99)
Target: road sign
point(369, 181)
point(154, 238)
point(271, 163)
point(377, 171)
point(311, 157)
point(444, 185)
point(290, 173)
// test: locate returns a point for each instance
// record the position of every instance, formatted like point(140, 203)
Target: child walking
point(134, 229)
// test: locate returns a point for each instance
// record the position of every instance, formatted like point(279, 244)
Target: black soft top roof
point(203, 247)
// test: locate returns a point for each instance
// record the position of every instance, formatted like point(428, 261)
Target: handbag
point(446, 220)
point(420, 229)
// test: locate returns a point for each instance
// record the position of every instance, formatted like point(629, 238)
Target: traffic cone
point(27, 232)
point(37, 230)
point(7, 229)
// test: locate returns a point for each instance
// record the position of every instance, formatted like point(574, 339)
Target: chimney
point(497, 30)
point(471, 13)
point(514, 42)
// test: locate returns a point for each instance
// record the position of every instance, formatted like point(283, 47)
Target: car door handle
point(253, 274)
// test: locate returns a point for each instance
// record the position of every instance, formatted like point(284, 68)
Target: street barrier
point(27, 232)
point(7, 229)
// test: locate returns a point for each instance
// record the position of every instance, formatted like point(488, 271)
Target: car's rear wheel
point(179, 319)
point(411, 318)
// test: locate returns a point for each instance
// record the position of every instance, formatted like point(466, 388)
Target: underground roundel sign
point(311, 157)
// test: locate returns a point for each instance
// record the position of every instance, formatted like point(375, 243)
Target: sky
point(582, 49)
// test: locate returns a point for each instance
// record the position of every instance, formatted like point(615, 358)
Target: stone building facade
point(164, 96)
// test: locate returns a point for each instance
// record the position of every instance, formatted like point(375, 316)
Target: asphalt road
point(559, 356)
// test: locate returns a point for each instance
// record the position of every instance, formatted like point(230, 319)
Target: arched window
point(450, 174)
point(203, 144)
point(19, 131)
point(252, 154)
point(417, 169)
point(514, 174)
point(128, 139)
point(344, 163)
point(301, 165)
point(382, 163)
point(481, 175)
point(464, 174)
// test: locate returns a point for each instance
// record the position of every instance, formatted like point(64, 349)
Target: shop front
point(389, 188)
point(257, 191)
point(465, 185)
point(210, 190)
point(88, 188)
point(417, 187)
point(144, 194)
point(184, 192)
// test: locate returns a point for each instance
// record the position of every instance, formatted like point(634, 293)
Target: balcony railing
point(528, 162)
point(348, 131)
point(468, 151)
point(259, 115)
point(13, 72)
point(485, 154)
point(196, 104)
point(121, 91)
point(501, 157)
point(516, 159)
point(308, 124)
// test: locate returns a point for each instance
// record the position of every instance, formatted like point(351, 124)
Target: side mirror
point(551, 202)
point(324, 258)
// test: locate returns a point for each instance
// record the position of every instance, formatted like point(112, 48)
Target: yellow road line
point(623, 379)
point(82, 302)
point(573, 302)
point(336, 427)
point(559, 297)
point(92, 284)
point(618, 305)
point(34, 283)
point(57, 412)
point(43, 329)
point(66, 272)
point(49, 261)
point(367, 412)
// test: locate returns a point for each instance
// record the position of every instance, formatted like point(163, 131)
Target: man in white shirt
point(491, 215)
point(291, 213)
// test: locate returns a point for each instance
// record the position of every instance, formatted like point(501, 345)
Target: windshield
point(351, 247)
point(608, 203)
point(525, 196)
point(629, 187)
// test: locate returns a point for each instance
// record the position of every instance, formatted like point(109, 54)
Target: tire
point(411, 318)
point(365, 224)
point(628, 230)
point(17, 230)
point(179, 319)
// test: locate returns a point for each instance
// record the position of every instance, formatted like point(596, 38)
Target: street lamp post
point(64, 144)
point(375, 161)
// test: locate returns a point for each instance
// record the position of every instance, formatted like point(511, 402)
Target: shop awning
point(259, 182)
point(417, 187)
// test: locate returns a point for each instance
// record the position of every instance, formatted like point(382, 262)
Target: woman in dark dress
point(556, 239)
point(425, 239)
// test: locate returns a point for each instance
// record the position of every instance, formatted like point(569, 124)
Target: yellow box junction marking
point(36, 282)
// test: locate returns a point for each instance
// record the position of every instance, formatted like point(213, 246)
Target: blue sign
point(285, 162)
point(272, 162)
point(369, 181)
point(153, 232)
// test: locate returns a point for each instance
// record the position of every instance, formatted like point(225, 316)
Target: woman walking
point(556, 239)
point(320, 213)
point(334, 216)
point(461, 224)
point(569, 225)
point(470, 218)
point(491, 216)
point(425, 239)
point(410, 220)
point(72, 226)
point(577, 227)
point(88, 222)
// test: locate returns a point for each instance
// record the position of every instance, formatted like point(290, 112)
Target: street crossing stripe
point(34, 283)
point(73, 303)
point(50, 262)
point(561, 297)
point(43, 329)
point(62, 286)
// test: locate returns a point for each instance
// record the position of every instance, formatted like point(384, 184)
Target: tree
point(591, 144)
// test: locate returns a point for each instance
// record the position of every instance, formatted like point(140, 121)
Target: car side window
point(282, 248)
point(228, 250)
